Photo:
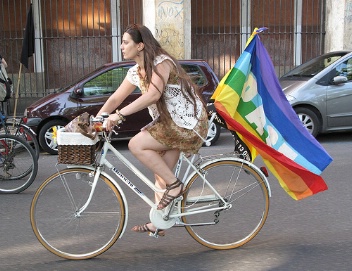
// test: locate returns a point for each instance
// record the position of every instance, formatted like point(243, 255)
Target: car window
point(196, 74)
point(107, 82)
point(345, 69)
point(313, 67)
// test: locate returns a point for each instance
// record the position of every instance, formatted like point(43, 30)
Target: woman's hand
point(112, 121)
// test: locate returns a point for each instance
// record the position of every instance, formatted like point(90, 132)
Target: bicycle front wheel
point(18, 164)
point(240, 186)
point(62, 229)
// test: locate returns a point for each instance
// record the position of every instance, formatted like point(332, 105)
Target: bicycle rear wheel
point(241, 186)
point(57, 224)
point(18, 164)
point(24, 132)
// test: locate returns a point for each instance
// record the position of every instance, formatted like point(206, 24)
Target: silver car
point(320, 92)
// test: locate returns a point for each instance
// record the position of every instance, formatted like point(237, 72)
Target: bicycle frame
point(6, 147)
point(15, 122)
point(104, 162)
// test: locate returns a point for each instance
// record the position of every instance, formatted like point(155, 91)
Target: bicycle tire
point(240, 185)
point(25, 132)
point(61, 230)
point(18, 164)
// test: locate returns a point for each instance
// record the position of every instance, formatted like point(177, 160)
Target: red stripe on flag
point(296, 180)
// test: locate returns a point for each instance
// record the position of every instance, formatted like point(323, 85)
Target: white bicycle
point(79, 212)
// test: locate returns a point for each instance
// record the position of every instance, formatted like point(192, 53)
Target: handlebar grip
point(105, 115)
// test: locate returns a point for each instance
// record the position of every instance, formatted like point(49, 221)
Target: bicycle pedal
point(155, 235)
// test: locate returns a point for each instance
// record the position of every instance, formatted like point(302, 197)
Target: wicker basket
point(75, 148)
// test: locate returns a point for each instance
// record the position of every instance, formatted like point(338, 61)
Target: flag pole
point(27, 50)
point(17, 92)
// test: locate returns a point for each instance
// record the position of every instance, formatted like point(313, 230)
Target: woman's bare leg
point(170, 157)
point(145, 148)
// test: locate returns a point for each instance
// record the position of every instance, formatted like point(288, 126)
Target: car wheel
point(213, 133)
point(48, 135)
point(309, 120)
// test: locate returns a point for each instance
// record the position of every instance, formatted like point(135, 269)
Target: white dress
point(186, 130)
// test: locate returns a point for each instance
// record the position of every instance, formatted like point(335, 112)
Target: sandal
point(145, 228)
point(167, 199)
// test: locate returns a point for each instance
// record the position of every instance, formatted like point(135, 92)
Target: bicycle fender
point(29, 128)
point(22, 125)
point(118, 187)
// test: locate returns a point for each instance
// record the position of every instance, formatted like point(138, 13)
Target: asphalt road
point(311, 234)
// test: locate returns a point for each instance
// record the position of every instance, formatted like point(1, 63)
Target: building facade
point(73, 37)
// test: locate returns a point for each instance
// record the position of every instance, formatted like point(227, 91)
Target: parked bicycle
point(17, 127)
point(18, 164)
point(224, 194)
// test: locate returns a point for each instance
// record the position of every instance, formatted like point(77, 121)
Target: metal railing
point(220, 30)
point(77, 36)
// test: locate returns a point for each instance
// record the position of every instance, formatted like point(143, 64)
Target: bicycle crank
point(157, 218)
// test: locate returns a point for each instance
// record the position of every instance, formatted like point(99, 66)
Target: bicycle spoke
point(18, 164)
point(241, 212)
point(61, 227)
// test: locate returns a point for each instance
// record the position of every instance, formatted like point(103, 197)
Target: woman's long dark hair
point(152, 49)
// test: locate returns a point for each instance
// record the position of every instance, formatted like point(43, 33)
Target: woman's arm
point(154, 92)
point(125, 89)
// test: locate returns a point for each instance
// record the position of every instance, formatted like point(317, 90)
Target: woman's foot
point(172, 192)
point(149, 228)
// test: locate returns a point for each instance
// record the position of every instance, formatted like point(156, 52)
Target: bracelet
point(122, 117)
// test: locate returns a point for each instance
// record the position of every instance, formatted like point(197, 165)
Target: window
point(196, 74)
point(345, 69)
point(105, 83)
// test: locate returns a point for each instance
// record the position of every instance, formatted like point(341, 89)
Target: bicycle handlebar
point(99, 124)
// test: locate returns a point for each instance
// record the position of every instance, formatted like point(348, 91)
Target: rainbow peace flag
point(250, 100)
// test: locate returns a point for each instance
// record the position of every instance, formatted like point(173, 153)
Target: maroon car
point(88, 94)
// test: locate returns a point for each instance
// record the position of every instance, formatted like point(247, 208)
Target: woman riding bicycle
point(179, 115)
